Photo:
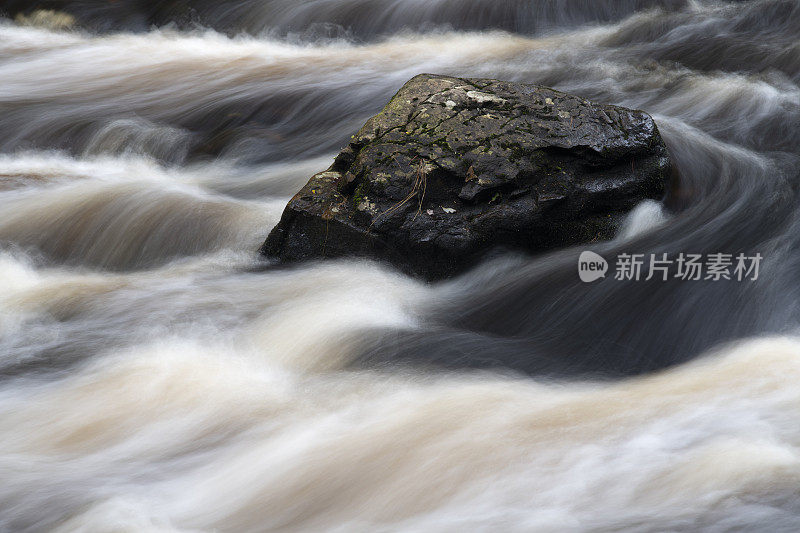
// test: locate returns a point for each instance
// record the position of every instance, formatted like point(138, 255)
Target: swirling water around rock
point(152, 377)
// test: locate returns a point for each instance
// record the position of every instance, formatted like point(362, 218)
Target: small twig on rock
point(420, 181)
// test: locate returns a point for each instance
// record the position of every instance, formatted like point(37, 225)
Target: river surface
point(157, 376)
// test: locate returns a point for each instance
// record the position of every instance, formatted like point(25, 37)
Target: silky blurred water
point(157, 375)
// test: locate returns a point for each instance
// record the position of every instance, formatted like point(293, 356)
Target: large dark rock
point(454, 168)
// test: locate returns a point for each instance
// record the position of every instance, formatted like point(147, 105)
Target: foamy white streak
point(217, 440)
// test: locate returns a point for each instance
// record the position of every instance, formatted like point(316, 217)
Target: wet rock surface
point(453, 169)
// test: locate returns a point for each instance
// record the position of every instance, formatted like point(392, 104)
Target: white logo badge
point(591, 266)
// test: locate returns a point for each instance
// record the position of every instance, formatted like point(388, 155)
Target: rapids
point(157, 375)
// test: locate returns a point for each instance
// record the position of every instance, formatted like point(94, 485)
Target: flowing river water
point(157, 375)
